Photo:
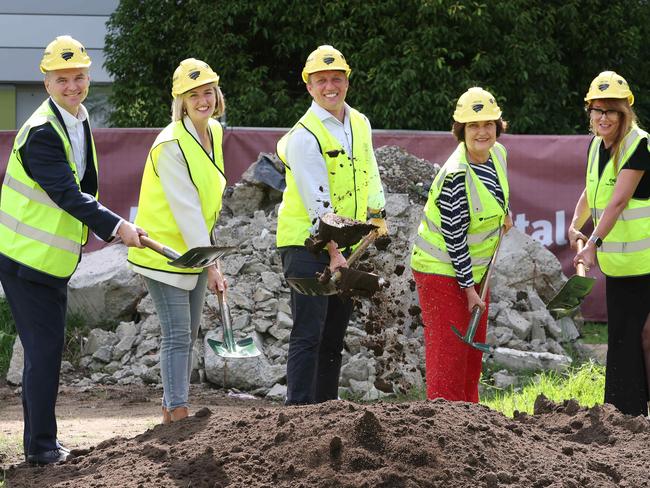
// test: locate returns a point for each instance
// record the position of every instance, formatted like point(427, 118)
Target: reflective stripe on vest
point(486, 217)
point(154, 214)
point(626, 249)
point(347, 177)
point(34, 231)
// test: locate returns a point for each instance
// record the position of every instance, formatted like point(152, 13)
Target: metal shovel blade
point(468, 338)
point(312, 286)
point(355, 282)
point(200, 257)
point(342, 230)
point(197, 257)
point(230, 348)
point(244, 348)
point(570, 296)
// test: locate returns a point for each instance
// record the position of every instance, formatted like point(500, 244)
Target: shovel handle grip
point(473, 324)
point(365, 242)
point(159, 248)
point(580, 267)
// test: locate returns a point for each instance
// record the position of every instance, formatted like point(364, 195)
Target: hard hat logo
point(194, 74)
point(328, 60)
point(67, 55)
point(603, 86)
point(477, 107)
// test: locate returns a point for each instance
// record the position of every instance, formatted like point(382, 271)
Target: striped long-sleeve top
point(454, 215)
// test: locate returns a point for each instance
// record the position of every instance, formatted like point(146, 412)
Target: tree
point(410, 59)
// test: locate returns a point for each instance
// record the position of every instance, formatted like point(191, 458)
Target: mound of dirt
point(342, 444)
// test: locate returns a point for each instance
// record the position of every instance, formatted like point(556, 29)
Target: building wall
point(26, 27)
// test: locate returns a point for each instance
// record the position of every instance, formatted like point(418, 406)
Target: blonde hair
point(178, 108)
point(626, 120)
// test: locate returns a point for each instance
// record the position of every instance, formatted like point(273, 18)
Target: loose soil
point(232, 442)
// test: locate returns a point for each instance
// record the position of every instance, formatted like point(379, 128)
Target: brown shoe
point(179, 413)
point(166, 416)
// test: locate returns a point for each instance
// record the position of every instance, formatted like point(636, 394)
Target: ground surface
point(248, 443)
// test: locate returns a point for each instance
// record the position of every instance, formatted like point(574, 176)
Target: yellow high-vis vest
point(486, 217)
point(34, 230)
point(154, 214)
point(347, 177)
point(626, 249)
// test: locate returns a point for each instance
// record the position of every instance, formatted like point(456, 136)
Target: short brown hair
point(458, 129)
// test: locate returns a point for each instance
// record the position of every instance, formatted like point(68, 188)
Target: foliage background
point(410, 59)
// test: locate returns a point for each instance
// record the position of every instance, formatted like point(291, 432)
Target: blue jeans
point(179, 312)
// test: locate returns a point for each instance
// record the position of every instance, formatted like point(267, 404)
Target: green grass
point(75, 331)
point(584, 383)
point(593, 333)
point(7, 336)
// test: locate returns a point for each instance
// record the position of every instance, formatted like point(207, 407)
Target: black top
point(640, 160)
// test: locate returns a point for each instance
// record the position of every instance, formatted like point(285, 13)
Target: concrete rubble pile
point(383, 354)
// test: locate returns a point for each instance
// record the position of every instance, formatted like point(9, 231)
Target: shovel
point(573, 292)
point(468, 338)
point(344, 231)
point(197, 257)
point(230, 348)
point(360, 282)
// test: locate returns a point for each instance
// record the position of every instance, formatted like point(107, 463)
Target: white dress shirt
point(75, 127)
point(310, 171)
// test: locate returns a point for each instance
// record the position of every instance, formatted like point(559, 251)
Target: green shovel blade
point(244, 348)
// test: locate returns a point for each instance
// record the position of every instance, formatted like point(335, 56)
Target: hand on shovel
point(216, 280)
point(337, 260)
point(474, 300)
point(586, 255)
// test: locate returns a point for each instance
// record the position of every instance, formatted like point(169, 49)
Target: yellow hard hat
point(190, 74)
point(325, 58)
point(64, 52)
point(609, 84)
point(476, 105)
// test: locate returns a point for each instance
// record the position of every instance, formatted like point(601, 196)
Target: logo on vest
point(194, 74)
point(477, 107)
point(67, 55)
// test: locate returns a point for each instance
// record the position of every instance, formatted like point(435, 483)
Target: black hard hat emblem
point(328, 59)
point(67, 55)
point(603, 86)
point(620, 82)
point(477, 107)
point(194, 74)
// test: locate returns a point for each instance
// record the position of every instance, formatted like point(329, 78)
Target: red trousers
point(453, 368)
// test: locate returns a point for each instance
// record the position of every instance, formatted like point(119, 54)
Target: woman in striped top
point(467, 206)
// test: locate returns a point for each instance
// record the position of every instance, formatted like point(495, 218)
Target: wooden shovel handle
point(159, 248)
point(580, 267)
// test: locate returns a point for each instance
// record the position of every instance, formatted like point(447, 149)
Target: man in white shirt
point(331, 167)
point(47, 204)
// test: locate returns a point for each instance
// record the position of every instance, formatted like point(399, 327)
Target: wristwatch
point(377, 214)
point(596, 240)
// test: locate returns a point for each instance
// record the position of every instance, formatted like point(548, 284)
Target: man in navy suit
point(47, 204)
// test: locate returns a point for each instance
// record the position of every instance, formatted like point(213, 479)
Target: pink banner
point(546, 175)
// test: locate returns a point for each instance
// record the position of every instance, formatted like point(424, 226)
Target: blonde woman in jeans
point(180, 200)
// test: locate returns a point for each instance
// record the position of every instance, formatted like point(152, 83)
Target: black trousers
point(628, 306)
point(39, 313)
point(316, 341)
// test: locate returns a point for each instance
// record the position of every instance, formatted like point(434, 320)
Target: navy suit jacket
point(44, 159)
